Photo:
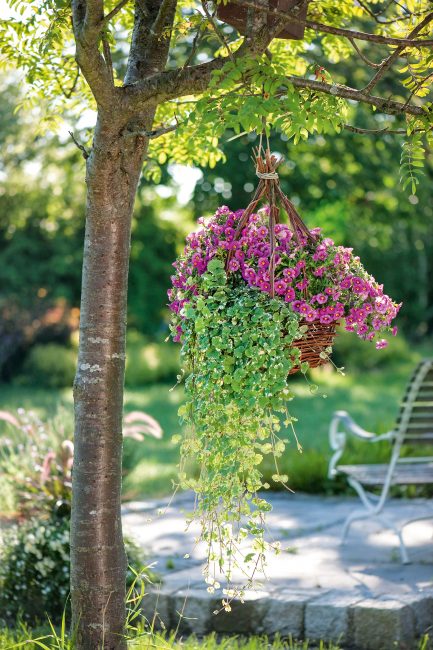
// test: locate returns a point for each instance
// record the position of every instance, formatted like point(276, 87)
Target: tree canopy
point(216, 80)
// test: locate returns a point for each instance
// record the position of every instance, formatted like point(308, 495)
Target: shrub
point(35, 570)
point(50, 365)
point(147, 362)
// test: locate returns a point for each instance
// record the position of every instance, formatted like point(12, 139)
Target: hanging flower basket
point(254, 300)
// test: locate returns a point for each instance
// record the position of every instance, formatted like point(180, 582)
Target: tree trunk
point(98, 561)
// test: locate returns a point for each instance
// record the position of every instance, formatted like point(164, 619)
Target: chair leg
point(354, 516)
point(359, 515)
point(403, 551)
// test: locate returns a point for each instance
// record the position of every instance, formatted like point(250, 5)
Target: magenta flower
point(303, 284)
point(290, 295)
point(249, 275)
point(280, 287)
point(311, 315)
point(346, 283)
point(233, 265)
point(382, 343)
point(333, 284)
point(289, 273)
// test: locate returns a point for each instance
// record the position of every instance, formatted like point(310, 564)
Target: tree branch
point(387, 63)
point(150, 39)
point(338, 31)
point(81, 147)
point(165, 10)
point(170, 84)
point(387, 106)
point(195, 79)
point(114, 12)
point(155, 133)
point(357, 129)
point(87, 16)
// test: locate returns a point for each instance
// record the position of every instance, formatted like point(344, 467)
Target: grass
point(371, 396)
point(24, 637)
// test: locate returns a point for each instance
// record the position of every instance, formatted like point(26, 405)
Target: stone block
point(284, 614)
point(244, 618)
point(422, 606)
point(383, 625)
point(157, 607)
point(192, 611)
point(330, 617)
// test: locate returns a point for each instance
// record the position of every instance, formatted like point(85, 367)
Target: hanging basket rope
point(319, 336)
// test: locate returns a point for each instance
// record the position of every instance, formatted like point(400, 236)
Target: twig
point(156, 133)
point(114, 12)
point(81, 147)
point(216, 29)
point(357, 129)
point(419, 85)
point(363, 57)
point(74, 84)
point(392, 57)
point(376, 17)
point(195, 43)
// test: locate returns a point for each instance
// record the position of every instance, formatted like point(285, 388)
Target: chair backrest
point(415, 420)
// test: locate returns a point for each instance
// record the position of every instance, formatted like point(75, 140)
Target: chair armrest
point(337, 439)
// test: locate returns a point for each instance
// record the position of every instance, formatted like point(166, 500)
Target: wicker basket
point(315, 340)
point(319, 336)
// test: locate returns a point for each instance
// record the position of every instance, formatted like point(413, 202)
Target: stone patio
point(359, 595)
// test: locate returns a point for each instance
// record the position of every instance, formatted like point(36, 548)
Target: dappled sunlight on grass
point(371, 396)
point(149, 478)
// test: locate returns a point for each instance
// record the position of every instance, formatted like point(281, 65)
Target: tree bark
point(97, 553)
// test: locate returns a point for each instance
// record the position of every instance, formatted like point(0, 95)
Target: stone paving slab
point(358, 594)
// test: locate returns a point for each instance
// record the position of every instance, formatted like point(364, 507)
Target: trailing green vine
point(238, 345)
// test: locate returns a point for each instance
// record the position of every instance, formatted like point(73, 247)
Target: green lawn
point(370, 396)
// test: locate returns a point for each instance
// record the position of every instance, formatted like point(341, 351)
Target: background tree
point(126, 62)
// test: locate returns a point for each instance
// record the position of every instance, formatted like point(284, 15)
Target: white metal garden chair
point(414, 426)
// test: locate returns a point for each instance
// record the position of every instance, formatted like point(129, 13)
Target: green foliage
point(50, 365)
point(412, 162)
point(35, 569)
point(36, 38)
point(148, 362)
point(244, 96)
point(238, 345)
